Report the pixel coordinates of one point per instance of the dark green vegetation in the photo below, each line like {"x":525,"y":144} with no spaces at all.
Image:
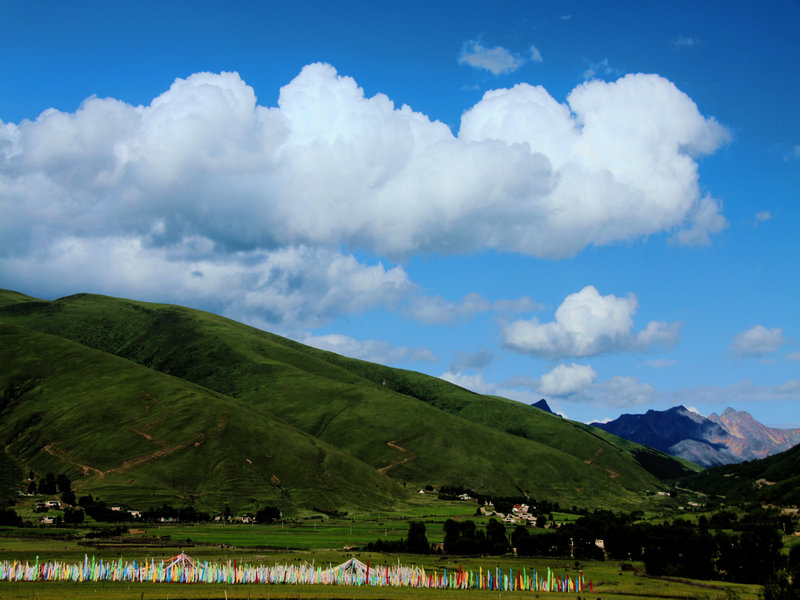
{"x":144,"y":404}
{"x":775,"y":479}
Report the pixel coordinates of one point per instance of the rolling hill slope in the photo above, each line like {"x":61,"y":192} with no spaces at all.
{"x":130,"y":433}
{"x":408,"y":426}
{"x":774,"y":479}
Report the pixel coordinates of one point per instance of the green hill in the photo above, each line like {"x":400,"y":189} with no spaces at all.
{"x":136,"y":435}
{"x":398,"y":425}
{"x":774,"y":479}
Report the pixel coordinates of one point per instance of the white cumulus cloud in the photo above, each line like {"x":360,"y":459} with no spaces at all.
{"x":618,"y":391}
{"x":566,"y":380}
{"x":578,"y":384}
{"x":587,"y":324}
{"x":473,"y":383}
{"x":757,"y":341}
{"x":204,"y":178}
{"x":282,"y":289}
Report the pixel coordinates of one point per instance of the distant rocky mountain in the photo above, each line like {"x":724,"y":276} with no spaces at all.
{"x":751,"y":439}
{"x":733,"y":437}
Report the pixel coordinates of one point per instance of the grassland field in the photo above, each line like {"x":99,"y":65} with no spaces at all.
{"x":321,"y":541}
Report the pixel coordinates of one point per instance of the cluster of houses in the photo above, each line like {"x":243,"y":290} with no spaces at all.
{"x":520,"y":515}
{"x":57,"y":505}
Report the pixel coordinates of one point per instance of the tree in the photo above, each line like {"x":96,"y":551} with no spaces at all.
{"x":63,"y":483}
{"x":702,"y":525}
{"x":9,"y":516}
{"x":48,"y":484}
{"x":268,"y":514}
{"x":68,"y":497}
{"x":73,"y":515}
{"x":520,"y":539}
{"x":496,"y":535}
{"x":417,"y":539}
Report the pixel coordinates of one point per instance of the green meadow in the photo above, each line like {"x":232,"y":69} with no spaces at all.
{"x":308,"y":541}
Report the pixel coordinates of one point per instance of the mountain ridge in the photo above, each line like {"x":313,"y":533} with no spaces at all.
{"x":735,"y":436}
{"x":409,"y":427}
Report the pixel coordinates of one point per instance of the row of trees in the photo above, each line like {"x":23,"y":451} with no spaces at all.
{"x":50,"y":485}
{"x":751,"y":554}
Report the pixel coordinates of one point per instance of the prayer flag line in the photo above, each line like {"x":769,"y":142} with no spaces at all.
{"x":183,"y":569}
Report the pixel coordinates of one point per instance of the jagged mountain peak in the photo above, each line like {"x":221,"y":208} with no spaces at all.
{"x":734,"y":436}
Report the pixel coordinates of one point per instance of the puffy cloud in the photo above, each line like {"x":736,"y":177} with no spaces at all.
{"x":474,"y":383}
{"x":206,"y":174}
{"x":578,"y":384}
{"x":536,"y":56}
{"x":566,"y":380}
{"x":498,"y":60}
{"x":286,"y":288}
{"x":757,"y":341}
{"x":587,"y":324}
{"x":329,"y":166}
{"x":618,"y":391}
{"x":706,"y":219}
{"x":622,"y":154}
{"x":371,"y":350}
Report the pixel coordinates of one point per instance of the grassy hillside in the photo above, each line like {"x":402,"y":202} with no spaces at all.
{"x":590,"y":444}
{"x":8,"y":297}
{"x":775,"y":479}
{"x":129,"y":433}
{"x":406,"y":425}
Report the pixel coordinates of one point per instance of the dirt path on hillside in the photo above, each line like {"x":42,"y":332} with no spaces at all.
{"x":87,"y":470}
{"x":403,"y":460}
{"x":133,"y":462}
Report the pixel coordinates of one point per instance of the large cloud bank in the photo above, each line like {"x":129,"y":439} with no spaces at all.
{"x":251,"y":206}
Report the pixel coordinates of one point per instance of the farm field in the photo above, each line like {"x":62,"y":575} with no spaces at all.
{"x":311,"y":541}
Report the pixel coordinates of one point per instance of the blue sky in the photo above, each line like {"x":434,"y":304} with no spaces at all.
{"x":592,"y":203}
